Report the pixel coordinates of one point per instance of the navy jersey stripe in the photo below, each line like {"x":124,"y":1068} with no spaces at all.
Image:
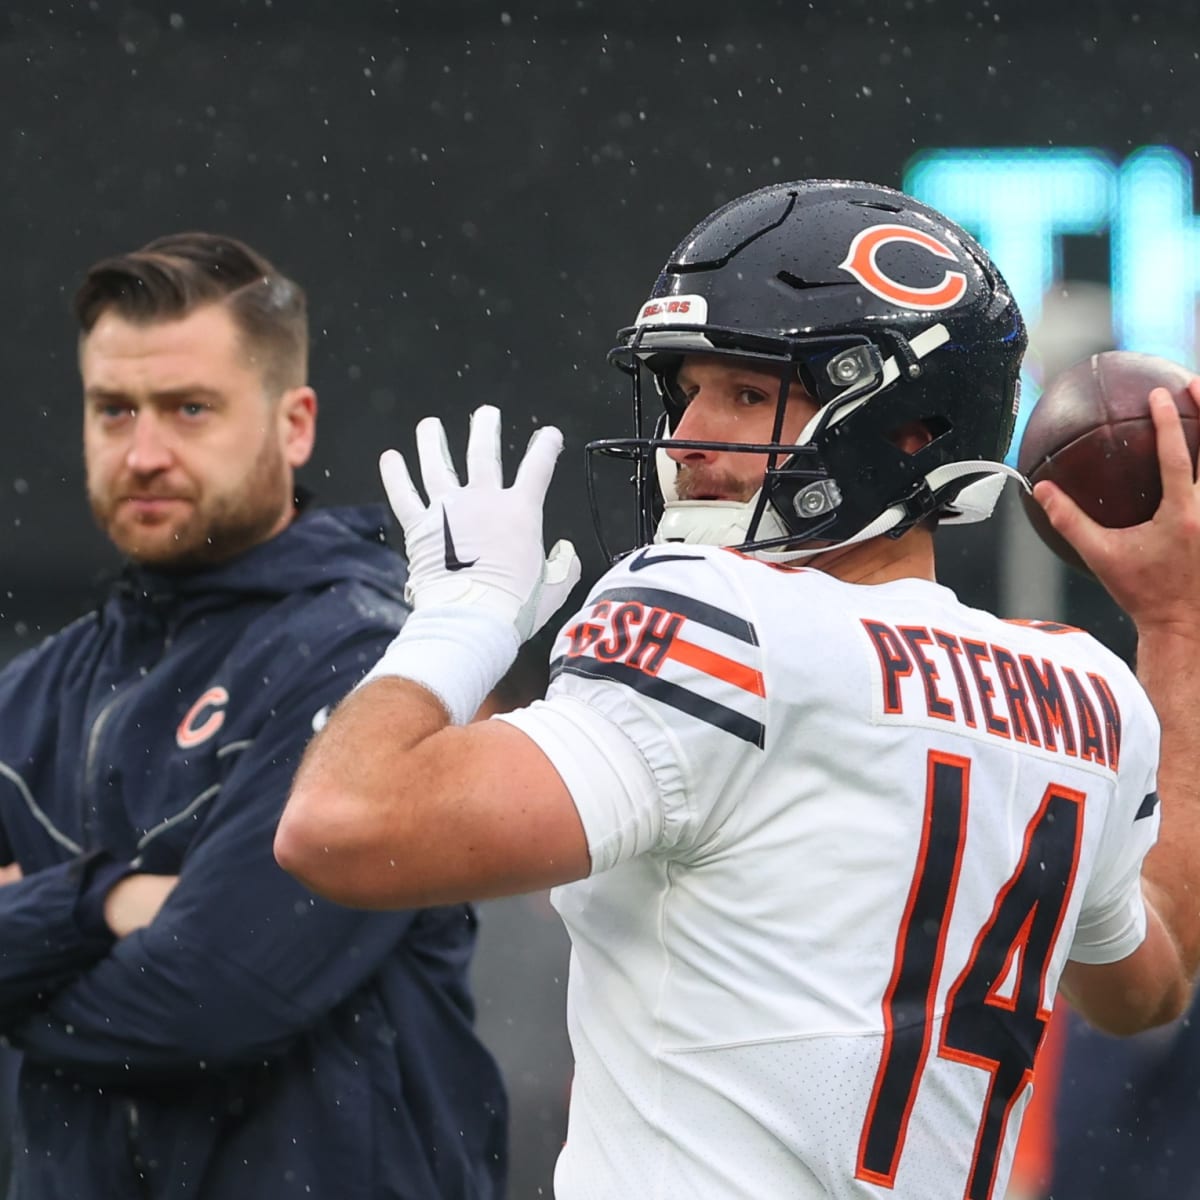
{"x":661,"y":690}
{"x":686,"y":606}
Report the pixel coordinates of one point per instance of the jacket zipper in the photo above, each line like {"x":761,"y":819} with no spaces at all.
{"x":132,"y":1137}
{"x":90,"y":777}
{"x":90,"y":772}
{"x":91,"y":781}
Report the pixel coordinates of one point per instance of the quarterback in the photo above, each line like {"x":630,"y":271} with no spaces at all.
{"x":826,"y":840}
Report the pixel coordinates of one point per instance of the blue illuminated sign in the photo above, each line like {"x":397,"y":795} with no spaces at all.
{"x":1021,"y":203}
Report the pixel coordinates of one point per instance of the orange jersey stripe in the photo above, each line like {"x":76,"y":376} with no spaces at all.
{"x":711,"y":663}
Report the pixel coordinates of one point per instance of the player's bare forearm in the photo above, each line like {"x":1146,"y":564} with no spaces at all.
{"x":1155,"y":984}
{"x":394,"y":808}
{"x":1167,"y":666}
{"x":1159,"y":586}
{"x":1116,"y":998}
{"x":400,"y":800}
{"x":1153,"y":572}
{"x":354,"y":784}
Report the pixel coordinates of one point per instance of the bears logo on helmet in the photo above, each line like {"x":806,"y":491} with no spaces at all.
{"x":861,"y":262}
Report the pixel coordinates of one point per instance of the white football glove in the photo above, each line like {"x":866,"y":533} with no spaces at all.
{"x":479,"y":544}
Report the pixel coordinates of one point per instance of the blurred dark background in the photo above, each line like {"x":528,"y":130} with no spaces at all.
{"x":476,"y":196}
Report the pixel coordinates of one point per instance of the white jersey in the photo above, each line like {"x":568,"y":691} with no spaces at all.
{"x":816,"y":957}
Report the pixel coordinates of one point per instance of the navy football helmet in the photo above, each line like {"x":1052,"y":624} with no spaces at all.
{"x":885,"y":312}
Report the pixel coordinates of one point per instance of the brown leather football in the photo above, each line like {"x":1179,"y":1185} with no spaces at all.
{"x":1091,"y":433}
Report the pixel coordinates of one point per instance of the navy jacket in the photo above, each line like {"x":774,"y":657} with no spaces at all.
{"x":254,"y":1042}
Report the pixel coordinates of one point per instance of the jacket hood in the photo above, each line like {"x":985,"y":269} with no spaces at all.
{"x":321,"y":546}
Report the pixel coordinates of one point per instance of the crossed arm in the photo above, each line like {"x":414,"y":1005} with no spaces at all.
{"x":131,"y":904}
{"x":226,"y":964}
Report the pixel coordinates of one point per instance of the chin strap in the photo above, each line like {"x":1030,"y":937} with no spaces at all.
{"x":975,"y":502}
{"x":726,"y":522}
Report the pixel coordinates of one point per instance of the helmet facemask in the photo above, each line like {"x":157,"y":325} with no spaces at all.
{"x":825,"y":490}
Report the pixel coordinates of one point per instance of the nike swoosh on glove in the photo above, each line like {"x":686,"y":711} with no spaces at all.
{"x":480,"y":544}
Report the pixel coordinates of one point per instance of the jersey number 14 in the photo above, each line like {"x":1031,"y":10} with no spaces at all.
{"x":996,"y":1031}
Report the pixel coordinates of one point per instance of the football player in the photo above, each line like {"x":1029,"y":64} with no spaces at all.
{"x":826,"y":840}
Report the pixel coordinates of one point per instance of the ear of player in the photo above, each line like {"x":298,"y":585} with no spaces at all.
{"x":480,"y":544}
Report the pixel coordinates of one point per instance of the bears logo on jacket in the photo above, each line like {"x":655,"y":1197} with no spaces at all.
{"x":192,"y":731}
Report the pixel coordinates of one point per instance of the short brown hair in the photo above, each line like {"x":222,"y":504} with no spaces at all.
{"x":172,"y":276}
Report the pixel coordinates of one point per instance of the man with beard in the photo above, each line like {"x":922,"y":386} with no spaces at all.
{"x":192,"y":1021}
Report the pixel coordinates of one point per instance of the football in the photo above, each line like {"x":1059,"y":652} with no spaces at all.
{"x":1091,"y":433}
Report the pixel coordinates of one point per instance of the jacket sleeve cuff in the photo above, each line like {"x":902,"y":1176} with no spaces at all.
{"x":100,"y":874}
